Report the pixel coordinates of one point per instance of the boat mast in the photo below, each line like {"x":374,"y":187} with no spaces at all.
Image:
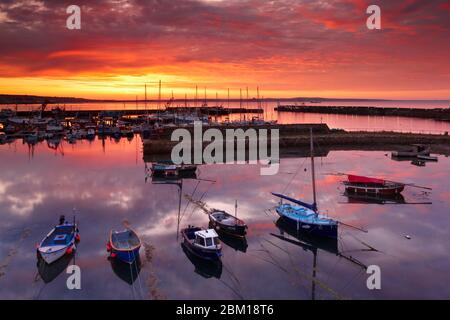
{"x":313,"y":172}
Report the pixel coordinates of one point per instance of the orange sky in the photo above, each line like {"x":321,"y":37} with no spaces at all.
{"x":288,"y":48}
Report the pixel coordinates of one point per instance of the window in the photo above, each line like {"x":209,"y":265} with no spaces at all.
{"x":216,"y":241}
{"x":209,"y":242}
{"x":200,"y":241}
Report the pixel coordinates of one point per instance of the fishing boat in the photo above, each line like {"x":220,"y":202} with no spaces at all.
{"x":202,"y":243}
{"x":414,"y":151}
{"x":366,"y":185}
{"x":163,"y":169}
{"x":61,"y":240}
{"x":305,"y":216}
{"x":224,"y":222}
{"x":124,"y":245}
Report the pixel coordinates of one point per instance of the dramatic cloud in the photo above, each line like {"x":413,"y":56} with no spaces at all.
{"x":288,"y":47}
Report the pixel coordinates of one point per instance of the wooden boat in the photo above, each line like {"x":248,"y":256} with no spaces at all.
{"x":366,"y":185}
{"x":305,"y":216}
{"x":61,"y":240}
{"x":124,"y":245}
{"x":414,"y":151}
{"x":202,"y":243}
{"x":227,"y":223}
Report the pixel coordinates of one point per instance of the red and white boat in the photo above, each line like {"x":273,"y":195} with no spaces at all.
{"x":366,"y":185}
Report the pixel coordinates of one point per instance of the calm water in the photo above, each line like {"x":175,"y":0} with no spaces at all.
{"x":107,"y":186}
{"x":346,"y":122}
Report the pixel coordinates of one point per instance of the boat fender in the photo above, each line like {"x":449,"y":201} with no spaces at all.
{"x":113,"y":255}
{"x":108,"y":246}
{"x":69,"y":250}
{"x":77,"y":238}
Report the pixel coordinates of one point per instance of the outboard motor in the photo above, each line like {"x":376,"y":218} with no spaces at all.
{"x":62,"y":219}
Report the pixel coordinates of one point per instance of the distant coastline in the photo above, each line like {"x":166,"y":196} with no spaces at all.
{"x":31,"y":99}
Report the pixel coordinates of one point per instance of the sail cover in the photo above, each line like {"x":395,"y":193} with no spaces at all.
{"x":361,"y":179}
{"x":303,"y":204}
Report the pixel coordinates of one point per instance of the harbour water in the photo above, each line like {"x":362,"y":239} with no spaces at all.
{"x":106,"y":183}
{"x":335,"y":121}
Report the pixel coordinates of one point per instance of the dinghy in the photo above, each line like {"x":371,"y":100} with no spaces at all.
{"x":224,"y":222}
{"x":60,"y":241}
{"x":124,"y":245}
{"x":366,"y":185}
{"x":204,"y":244}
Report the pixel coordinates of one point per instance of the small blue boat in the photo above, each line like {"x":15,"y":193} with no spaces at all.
{"x":124,"y":245}
{"x":304,"y":216}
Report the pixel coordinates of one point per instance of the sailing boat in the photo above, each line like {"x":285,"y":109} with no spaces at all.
{"x":305,"y":216}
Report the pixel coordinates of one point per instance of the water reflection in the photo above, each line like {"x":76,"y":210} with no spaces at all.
{"x":47,"y":272}
{"x":205,"y":268}
{"x":104,"y":180}
{"x":125,"y":271}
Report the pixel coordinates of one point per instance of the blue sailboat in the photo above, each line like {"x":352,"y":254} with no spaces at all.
{"x":304,"y":216}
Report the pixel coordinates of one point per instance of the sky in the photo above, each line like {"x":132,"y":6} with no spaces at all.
{"x":287,"y":48}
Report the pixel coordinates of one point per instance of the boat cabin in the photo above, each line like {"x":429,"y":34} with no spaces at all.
{"x":207,"y":238}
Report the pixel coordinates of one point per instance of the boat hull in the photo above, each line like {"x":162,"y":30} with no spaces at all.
{"x":239,"y":231}
{"x":128,"y":256}
{"x":51,"y":257}
{"x":200,"y":252}
{"x":329,"y":231}
{"x":381,"y":190}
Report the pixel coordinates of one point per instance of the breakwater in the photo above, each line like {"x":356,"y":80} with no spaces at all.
{"x":442,"y":114}
{"x":298,"y":136}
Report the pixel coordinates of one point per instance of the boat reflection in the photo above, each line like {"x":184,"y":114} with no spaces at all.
{"x":238,"y":244}
{"x":309,"y":242}
{"x":49,"y":272}
{"x":205,"y":268}
{"x":354,"y":198}
{"x":125,"y":271}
